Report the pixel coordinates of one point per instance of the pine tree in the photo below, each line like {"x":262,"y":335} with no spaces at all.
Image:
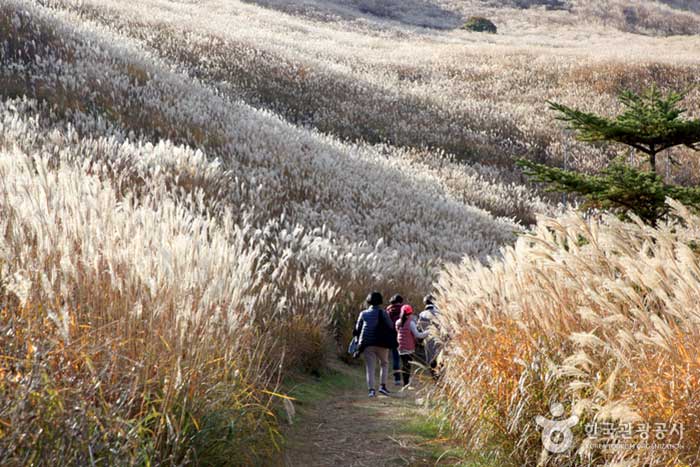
{"x":650,"y":123}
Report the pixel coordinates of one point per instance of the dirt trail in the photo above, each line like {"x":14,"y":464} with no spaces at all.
{"x":349,"y":429}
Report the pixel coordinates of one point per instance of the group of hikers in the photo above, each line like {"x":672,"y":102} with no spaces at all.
{"x":394,"y":332}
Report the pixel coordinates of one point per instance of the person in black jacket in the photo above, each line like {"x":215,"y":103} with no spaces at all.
{"x":376,"y":337}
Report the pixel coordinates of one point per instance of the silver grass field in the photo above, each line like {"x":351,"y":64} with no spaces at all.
{"x":195,"y":197}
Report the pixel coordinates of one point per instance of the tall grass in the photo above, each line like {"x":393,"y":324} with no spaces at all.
{"x":194,"y":200}
{"x":130,"y":324}
{"x":168,"y":253}
{"x":597,"y":314}
{"x":642,"y":17}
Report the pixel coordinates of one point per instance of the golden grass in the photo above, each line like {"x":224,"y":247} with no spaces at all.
{"x":169,"y":246}
{"x":598,"y":314}
{"x":137,"y":331}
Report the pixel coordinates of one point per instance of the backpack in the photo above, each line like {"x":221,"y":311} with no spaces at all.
{"x":385,"y":335}
{"x":424,"y":324}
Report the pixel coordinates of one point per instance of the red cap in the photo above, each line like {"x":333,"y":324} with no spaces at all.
{"x":407,"y":309}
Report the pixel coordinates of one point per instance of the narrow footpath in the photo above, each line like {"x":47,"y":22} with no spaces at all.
{"x":336,"y":424}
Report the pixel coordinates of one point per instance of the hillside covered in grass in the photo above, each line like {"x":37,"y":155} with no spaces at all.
{"x":648,"y":17}
{"x":196,"y":196}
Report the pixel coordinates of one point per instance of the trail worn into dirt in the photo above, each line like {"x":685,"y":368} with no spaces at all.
{"x":349,"y":429}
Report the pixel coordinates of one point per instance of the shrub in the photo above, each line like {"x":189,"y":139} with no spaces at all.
{"x":480,"y":24}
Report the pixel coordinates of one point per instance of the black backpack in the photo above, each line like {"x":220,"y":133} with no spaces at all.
{"x":385,"y":335}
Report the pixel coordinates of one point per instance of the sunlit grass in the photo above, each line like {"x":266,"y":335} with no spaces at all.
{"x":171,"y":250}
{"x":596,"y":314}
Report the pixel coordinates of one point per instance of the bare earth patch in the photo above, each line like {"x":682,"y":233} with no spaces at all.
{"x":349,"y":429}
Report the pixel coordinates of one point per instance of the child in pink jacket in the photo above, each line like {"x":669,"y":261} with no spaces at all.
{"x":408,"y":334}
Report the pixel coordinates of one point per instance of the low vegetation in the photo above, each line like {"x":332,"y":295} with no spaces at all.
{"x":480,"y":24}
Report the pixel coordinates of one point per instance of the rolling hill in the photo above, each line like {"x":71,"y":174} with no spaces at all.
{"x":194,"y":192}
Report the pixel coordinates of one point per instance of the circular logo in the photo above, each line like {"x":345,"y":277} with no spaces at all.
{"x":557,"y":436}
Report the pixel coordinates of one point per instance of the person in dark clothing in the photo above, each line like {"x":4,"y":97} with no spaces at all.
{"x":376,"y":336}
{"x":394,"y":311}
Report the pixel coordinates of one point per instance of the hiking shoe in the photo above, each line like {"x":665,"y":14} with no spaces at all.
{"x":384,"y":390}
{"x":372,"y":393}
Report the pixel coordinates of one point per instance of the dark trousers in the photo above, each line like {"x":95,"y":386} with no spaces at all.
{"x":433,"y":370}
{"x":396,"y":364}
{"x":406,"y":368}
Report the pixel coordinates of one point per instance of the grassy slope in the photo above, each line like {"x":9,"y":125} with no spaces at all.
{"x":417,"y":78}
{"x":132,"y":149}
{"x":477,"y":96}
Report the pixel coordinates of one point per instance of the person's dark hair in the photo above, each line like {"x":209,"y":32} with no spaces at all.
{"x":429,"y":300}
{"x":374,"y":299}
{"x":396,"y":299}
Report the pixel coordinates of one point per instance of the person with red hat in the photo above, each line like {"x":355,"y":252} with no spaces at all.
{"x":408,"y":334}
